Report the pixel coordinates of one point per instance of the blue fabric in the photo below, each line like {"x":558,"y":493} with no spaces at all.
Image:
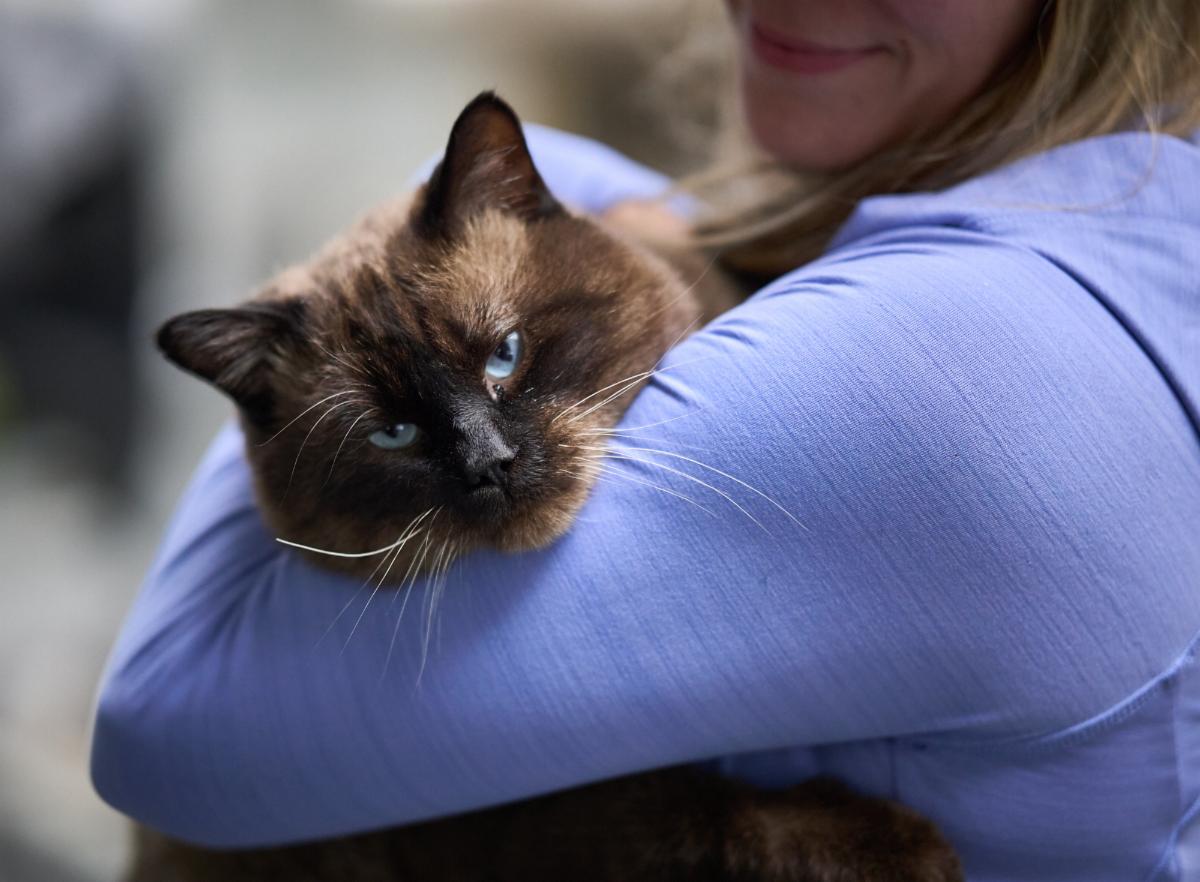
{"x":980,"y":406}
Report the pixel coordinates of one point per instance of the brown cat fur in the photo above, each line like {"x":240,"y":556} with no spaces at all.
{"x":393,"y":322}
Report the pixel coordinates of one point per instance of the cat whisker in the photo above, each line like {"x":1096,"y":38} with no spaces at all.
{"x":406,"y":588}
{"x":410,"y":531}
{"x":726,"y":475}
{"x":353,"y":598}
{"x":436,"y":584}
{"x":304,"y":444}
{"x":410,"y":574}
{"x":645,"y":426}
{"x":687,"y":291}
{"x":435,"y":564}
{"x":395,"y":631}
{"x":338,"y":452}
{"x":426,"y":597}
{"x":616,"y":473}
{"x":443,"y":580}
{"x":621,"y":435}
{"x":395,"y":556}
{"x":687,"y":329}
{"x":351,"y":367}
{"x":625,"y":388}
{"x":633,"y":379}
{"x":398,"y":543}
{"x":303,"y":412}
{"x":619,"y":454}
{"x":451,"y":560}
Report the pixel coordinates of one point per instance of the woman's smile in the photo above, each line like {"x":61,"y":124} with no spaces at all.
{"x":803,"y":56}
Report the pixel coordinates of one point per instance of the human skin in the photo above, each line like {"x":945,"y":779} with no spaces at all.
{"x":825,"y":85}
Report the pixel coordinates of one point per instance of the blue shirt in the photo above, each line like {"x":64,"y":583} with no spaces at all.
{"x":981,"y":408}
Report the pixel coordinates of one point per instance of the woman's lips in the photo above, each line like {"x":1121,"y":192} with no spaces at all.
{"x":801,"y":56}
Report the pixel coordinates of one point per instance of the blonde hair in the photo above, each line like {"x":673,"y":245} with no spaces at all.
{"x":1091,"y":67}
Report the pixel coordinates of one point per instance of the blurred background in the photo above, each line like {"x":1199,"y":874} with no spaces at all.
{"x":159,"y":155}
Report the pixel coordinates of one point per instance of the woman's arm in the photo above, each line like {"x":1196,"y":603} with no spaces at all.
{"x":906,"y":512}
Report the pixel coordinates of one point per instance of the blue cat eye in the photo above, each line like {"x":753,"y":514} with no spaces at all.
{"x":395,"y":437}
{"x":503,"y":361}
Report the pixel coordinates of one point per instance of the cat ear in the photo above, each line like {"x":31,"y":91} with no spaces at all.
{"x":487,"y":165}
{"x":237,"y":350}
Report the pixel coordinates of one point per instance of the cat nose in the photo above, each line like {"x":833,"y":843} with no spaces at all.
{"x":488,"y":468}
{"x":482,"y":453}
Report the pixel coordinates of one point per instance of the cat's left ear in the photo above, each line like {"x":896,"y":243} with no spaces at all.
{"x":487,"y":165}
{"x":239,"y":351}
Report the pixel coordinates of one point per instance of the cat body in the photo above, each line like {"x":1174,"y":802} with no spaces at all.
{"x":440,"y":379}
{"x":674,"y":825}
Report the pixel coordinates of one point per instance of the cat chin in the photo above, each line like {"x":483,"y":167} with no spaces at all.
{"x":513,"y":529}
{"x":540,"y":525}
{"x":529,"y":526}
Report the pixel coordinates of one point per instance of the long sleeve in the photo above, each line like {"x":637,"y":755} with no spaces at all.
{"x":925,"y":487}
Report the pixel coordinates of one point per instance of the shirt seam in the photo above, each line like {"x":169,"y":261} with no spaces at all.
{"x":1078,"y":733}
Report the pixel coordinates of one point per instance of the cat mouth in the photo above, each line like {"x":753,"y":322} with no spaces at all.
{"x":487,"y":503}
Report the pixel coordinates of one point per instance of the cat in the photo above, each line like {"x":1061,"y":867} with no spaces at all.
{"x":432,"y":380}
{"x":439,"y":348}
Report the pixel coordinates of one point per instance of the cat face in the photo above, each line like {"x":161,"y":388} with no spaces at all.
{"x":445,"y":369}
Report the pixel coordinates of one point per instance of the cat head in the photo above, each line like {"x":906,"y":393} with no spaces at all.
{"x":446,"y":367}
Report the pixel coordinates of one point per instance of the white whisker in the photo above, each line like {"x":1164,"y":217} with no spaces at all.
{"x":426,"y":598}
{"x":621,"y":455}
{"x":633,"y":378}
{"x":304,"y":443}
{"x":620,"y":435}
{"x":687,"y":329}
{"x":338,"y":452}
{"x":353,"y":598}
{"x":621,"y":391}
{"x":341,"y":361}
{"x":378,"y":585}
{"x":686,"y":291}
{"x":647,"y":425}
{"x":717,"y":471}
{"x":617,"y":473}
{"x":406,"y":587}
{"x":303,"y":412}
{"x":409,"y":532}
{"x":410,"y":574}
{"x":451,"y":560}
{"x":628,"y":382}
{"x":436,"y":585}
{"x":386,"y":548}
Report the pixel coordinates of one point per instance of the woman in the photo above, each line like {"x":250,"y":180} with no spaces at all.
{"x":982,"y":402}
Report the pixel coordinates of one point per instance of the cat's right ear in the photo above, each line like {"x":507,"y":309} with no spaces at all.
{"x":237,"y":350}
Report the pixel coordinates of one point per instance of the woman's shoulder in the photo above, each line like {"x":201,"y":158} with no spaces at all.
{"x":1092,"y":182}
{"x":1111,"y":223}
{"x":980,"y":393}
